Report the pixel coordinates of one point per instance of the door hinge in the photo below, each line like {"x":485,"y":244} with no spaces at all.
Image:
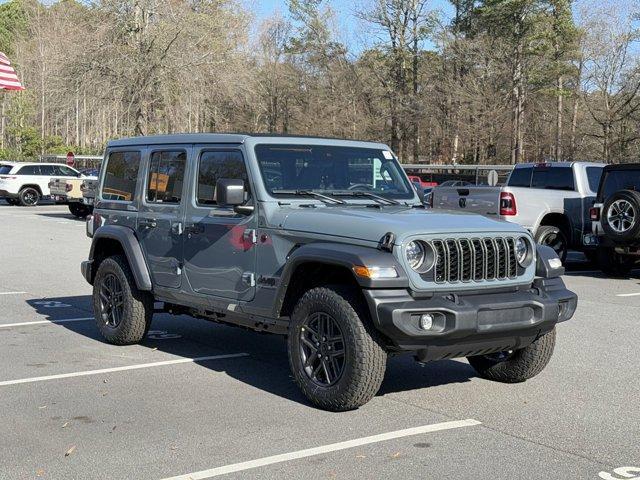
{"x":250,"y":235}
{"x":249,"y":278}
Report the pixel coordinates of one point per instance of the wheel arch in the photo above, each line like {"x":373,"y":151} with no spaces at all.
{"x":31,"y":185}
{"x":559,"y":220}
{"x":112,"y":240}
{"x":317,"y":264}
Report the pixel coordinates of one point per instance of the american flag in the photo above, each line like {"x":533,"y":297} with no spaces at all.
{"x":8,"y":78}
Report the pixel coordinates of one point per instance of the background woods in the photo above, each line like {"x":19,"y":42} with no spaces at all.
{"x":487,"y":81}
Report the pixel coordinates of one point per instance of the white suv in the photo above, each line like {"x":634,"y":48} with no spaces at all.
{"x":26,"y":183}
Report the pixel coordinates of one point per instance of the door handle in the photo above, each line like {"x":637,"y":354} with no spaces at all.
{"x":148,"y":223}
{"x":194,"y":228}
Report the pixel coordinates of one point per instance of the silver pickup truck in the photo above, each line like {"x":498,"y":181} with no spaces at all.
{"x":551,"y":200}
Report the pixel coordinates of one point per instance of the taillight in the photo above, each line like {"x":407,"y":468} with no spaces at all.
{"x":594,"y":213}
{"x":508,"y":204}
{"x":68,"y":187}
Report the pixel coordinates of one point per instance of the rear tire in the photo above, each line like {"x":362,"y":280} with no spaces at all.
{"x":339,"y":382}
{"x":29,"y":197}
{"x":518,"y":365}
{"x":122,"y":312}
{"x":613,"y":264}
{"x":555,"y":238}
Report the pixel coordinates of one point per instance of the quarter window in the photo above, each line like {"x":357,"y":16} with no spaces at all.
{"x":593,"y":177}
{"x":120,"y":176}
{"x":215,"y":165}
{"x":166,"y":177}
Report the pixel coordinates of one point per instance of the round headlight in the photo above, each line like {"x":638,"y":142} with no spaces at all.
{"x":414,"y":252}
{"x":523,"y":252}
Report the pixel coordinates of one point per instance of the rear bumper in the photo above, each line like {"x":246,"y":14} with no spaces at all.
{"x":465,"y":325}
{"x":85,"y":268}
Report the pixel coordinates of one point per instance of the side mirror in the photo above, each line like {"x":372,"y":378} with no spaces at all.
{"x":229,"y":192}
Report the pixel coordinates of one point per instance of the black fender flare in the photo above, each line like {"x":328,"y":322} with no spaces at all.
{"x":129,"y":242}
{"x":342,"y":255}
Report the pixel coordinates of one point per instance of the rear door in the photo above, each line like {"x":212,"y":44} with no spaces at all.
{"x":219,"y":244}
{"x":160,"y":218}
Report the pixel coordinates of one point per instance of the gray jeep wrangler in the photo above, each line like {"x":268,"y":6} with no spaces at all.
{"x":324,"y":241}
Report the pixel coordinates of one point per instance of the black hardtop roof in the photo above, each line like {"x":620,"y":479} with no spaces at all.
{"x":622,"y":166}
{"x":230,"y":138}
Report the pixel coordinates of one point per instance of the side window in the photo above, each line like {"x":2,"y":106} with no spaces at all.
{"x":553,"y":178}
{"x":215,"y":165}
{"x":593,"y":177}
{"x":66,"y":171}
{"x":48,"y":170}
{"x":29,"y":170}
{"x":120,"y":176}
{"x":166,"y":176}
{"x":520,"y":177}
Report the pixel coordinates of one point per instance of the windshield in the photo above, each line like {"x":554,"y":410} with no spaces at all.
{"x":331,"y":169}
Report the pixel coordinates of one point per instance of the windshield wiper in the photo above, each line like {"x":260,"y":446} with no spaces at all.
{"x":309,"y":193}
{"x":389,"y":201}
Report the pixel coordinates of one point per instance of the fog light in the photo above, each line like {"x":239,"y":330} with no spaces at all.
{"x":426,"y":321}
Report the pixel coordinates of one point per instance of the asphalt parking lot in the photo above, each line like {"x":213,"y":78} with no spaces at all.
{"x":198,"y":400}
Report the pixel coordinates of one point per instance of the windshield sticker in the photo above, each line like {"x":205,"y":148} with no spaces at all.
{"x":387,"y":154}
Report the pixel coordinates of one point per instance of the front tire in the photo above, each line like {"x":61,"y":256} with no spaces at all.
{"x":555,"y":238}
{"x":122,"y":312}
{"x":335,"y":355}
{"x":29,"y":197}
{"x":517,"y":365}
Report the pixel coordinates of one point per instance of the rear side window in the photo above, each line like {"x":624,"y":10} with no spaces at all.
{"x":215,"y":165}
{"x":66,"y":171}
{"x":166,"y":177}
{"x":620,"y":180}
{"x":4,"y":169}
{"x":593,"y":177}
{"x":48,"y":170}
{"x":29,"y":170}
{"x":520,"y":177}
{"x":553,"y":178}
{"x":120,"y":176}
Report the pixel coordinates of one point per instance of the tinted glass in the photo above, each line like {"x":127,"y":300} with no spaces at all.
{"x":553,"y":178}
{"x":593,"y":177}
{"x":90,"y":172}
{"x":120,"y":176}
{"x":325,"y":168}
{"x":67,"y":171}
{"x":48,"y":170}
{"x":166,"y":176}
{"x":520,"y":177}
{"x":29,"y":170}
{"x":4,"y":169}
{"x":215,"y":165}
{"x":620,"y":180}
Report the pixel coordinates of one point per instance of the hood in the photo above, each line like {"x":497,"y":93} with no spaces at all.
{"x":371,"y":224}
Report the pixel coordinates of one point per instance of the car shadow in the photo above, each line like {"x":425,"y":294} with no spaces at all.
{"x":268,"y":367}
{"x":60,"y":216}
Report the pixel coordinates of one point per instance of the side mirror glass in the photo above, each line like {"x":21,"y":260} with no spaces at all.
{"x":229,"y":192}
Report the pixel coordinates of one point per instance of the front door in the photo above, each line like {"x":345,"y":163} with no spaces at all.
{"x":160,"y":218}
{"x":219,"y":248}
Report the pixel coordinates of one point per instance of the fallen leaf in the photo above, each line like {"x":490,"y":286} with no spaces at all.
{"x":70,"y":451}
{"x":42,"y":407}
{"x":66,"y":424}
{"x":154,"y":348}
{"x":39,"y":472}
{"x":361,"y":456}
{"x":104,"y":381}
{"x":395,"y":455}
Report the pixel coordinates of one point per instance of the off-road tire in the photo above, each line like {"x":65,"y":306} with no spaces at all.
{"x":29,"y":197}
{"x":522,"y":365}
{"x":632,"y":234}
{"x":138,"y":305}
{"x":547,"y":231}
{"x":78,"y":210}
{"x":365,"y":357}
{"x":613,"y":264}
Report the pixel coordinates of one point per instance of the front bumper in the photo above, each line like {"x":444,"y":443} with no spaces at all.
{"x":470,"y":324}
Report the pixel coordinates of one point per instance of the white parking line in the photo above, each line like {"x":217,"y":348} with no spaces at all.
{"x":333,"y":447}
{"x":628,"y":294}
{"x":12,"y":293}
{"x":41,"y":322}
{"x":120,"y":369}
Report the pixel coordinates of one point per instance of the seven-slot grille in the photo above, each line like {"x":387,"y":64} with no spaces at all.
{"x":477,"y":259}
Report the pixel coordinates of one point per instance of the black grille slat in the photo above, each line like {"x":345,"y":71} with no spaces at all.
{"x":478,"y":259}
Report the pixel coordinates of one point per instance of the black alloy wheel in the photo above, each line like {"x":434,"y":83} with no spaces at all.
{"x":111,"y":301}
{"x":555,"y":238}
{"x":322,"y":349}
